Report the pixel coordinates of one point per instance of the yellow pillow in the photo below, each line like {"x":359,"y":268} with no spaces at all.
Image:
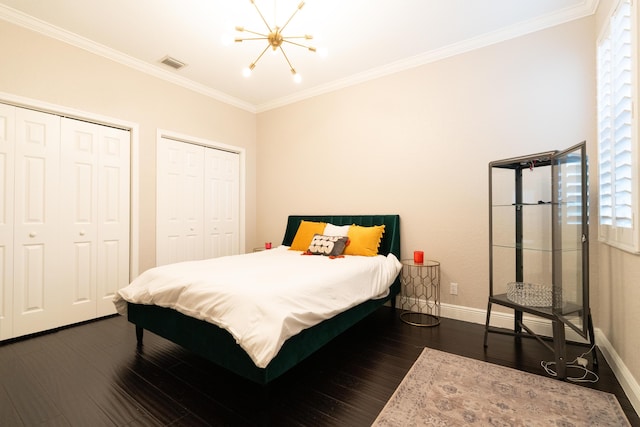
{"x":364,"y":240}
{"x":305,"y":233}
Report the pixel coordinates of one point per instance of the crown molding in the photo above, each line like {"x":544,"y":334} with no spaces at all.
{"x":587,"y":8}
{"x":16,"y":17}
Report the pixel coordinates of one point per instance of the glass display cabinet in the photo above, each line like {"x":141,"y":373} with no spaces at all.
{"x":539,"y":245}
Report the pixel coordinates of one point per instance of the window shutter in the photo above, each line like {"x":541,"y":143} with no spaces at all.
{"x":622,"y":104}
{"x":616,"y":145}
{"x":604,"y":132}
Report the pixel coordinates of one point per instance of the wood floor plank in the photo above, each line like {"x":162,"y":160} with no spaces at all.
{"x":94,"y":374}
{"x":30,"y":400}
{"x":8,"y":413}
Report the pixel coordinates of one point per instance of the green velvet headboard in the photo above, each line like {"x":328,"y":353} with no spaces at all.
{"x":390,"y":239}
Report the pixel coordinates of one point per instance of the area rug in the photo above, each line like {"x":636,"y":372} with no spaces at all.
{"x":443,"y":389}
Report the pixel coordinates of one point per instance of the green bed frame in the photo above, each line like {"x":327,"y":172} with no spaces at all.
{"x":219,"y":346}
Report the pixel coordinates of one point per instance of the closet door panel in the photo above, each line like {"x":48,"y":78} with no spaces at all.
{"x":79,"y":179}
{"x":192,"y":201}
{"x":169,"y":239}
{"x":7,"y":148}
{"x":179,"y":212}
{"x":37,"y":285}
{"x":113,"y":216}
{"x":96,"y":176}
{"x":222,"y":203}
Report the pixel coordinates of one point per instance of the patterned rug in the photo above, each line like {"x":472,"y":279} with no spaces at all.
{"x":443,"y":389}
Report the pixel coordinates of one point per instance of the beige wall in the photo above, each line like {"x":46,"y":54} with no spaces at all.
{"x":46,"y":70}
{"x":418,"y":143}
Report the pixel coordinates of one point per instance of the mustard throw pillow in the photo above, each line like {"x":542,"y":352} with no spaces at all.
{"x":364,"y":240}
{"x":306,"y":231}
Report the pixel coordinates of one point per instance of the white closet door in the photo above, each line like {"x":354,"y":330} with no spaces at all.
{"x":179,"y":213}
{"x":7,"y":147}
{"x":222,"y":203}
{"x":114,"y":176}
{"x":79,"y":206}
{"x":95,"y":214}
{"x":37,"y":259}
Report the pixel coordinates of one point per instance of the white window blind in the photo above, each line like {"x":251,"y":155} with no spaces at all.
{"x":572,"y":189}
{"x":617,"y":143}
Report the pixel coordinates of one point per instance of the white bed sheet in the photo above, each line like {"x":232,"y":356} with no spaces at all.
{"x":263,"y":298}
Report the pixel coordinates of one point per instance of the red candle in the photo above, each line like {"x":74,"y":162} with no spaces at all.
{"x":418,"y":257}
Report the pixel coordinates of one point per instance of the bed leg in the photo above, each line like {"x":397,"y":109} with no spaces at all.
{"x":139,"y":334}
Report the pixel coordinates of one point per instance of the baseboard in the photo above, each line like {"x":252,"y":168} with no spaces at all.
{"x":504,"y":320}
{"x":625,"y":378}
{"x":543,"y":327}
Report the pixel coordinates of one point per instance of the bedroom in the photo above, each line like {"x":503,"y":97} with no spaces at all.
{"x":415,"y":143}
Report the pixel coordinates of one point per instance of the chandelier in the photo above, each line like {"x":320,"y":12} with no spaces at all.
{"x":275,"y":40}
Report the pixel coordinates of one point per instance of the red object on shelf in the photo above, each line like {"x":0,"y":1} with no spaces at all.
{"x":418,"y":257}
{"x":267,"y":245}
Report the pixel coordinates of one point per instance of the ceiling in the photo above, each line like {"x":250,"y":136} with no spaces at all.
{"x":364,"y":38}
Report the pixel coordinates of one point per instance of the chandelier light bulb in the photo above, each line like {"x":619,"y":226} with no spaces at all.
{"x":246,"y":72}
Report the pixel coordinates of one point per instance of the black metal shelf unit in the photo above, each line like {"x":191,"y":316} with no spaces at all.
{"x":538,"y":245}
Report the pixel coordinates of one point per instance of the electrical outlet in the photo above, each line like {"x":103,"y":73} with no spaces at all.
{"x":453,"y":288}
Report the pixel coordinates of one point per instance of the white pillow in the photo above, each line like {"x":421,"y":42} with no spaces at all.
{"x":336,"y":230}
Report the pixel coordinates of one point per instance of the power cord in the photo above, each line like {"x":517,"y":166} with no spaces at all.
{"x":579,"y":363}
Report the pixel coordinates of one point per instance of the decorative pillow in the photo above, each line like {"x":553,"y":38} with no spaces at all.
{"x":364,"y":240}
{"x":327,"y":245}
{"x":336,"y":230}
{"x":306,"y":231}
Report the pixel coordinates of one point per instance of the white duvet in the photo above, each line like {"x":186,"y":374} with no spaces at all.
{"x":263,"y":298}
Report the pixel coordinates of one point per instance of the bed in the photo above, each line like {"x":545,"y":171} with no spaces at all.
{"x":218,"y":345}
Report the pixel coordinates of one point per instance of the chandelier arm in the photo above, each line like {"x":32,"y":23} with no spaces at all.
{"x":255,"y":32}
{"x":311,"y":48}
{"x":260,"y":56}
{"x":251,"y":38}
{"x":287,"y":59}
{"x":260,"y":13}
{"x":292,"y":15}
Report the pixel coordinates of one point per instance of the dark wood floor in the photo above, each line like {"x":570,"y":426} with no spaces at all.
{"x":92,"y":375}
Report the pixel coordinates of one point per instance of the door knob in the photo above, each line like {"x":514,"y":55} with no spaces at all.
{"x":33,"y":234}
{"x":82,"y":232}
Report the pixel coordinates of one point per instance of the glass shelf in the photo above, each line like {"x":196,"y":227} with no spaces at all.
{"x":516,"y":205}
{"x":527,"y":248}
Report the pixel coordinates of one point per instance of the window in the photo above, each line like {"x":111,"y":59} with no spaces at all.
{"x":617,"y":130}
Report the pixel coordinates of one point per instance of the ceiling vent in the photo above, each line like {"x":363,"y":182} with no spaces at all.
{"x":172,"y":62}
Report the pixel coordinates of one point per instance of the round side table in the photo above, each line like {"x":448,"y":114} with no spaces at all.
{"x":420,"y":293}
